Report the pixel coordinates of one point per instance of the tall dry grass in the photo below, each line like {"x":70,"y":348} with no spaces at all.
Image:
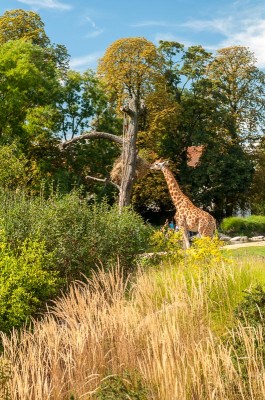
{"x":108,"y":326}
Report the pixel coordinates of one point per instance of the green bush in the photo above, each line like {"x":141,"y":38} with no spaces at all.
{"x":252,"y":310}
{"x":12,"y":167}
{"x":126,"y":386}
{"x":251,"y":315}
{"x":27,"y":280}
{"x":252,"y":225}
{"x":82,"y":236}
{"x":75,"y":238}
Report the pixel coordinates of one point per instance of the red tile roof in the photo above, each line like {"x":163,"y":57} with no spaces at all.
{"x":194,"y":154}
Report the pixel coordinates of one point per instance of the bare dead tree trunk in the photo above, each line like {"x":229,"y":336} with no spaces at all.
{"x":133,"y":110}
{"x":129,"y":151}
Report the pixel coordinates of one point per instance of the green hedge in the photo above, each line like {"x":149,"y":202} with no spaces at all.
{"x":250,"y":226}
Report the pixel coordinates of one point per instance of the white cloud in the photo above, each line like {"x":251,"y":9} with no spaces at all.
{"x":169,"y":37}
{"x":96,"y":30}
{"x":84,"y":62}
{"x":236,"y":30}
{"x":47,"y":4}
{"x":95,"y":33}
{"x":222,"y":26}
{"x":252,"y":35}
{"x":92,"y":23}
{"x":241,"y":24}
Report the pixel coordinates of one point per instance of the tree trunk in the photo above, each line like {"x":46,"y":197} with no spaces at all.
{"x":132,"y":110}
{"x":129,"y":153}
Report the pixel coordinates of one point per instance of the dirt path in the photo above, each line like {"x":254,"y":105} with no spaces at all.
{"x":247,"y":244}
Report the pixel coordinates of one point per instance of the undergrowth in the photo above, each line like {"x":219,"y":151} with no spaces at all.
{"x":158,"y":335}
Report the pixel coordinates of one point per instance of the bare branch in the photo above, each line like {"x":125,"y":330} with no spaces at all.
{"x":92,"y":135}
{"x":106,"y":180}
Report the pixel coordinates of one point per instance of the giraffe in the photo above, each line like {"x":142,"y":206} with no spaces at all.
{"x":188,"y":217}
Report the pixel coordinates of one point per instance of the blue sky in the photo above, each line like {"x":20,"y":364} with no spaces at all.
{"x":88,"y":27}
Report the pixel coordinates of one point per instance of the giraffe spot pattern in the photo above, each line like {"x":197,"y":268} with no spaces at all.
{"x":188,"y":216}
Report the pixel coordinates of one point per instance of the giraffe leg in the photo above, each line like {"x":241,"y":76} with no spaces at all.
{"x":182,"y":227}
{"x":186,"y":242}
{"x":186,"y":239}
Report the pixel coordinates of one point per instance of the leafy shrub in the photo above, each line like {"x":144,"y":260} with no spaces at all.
{"x":165,"y":244}
{"x":251,"y":316}
{"x":26,"y":281}
{"x":12,"y":167}
{"x":125,"y":386}
{"x":166,"y":240}
{"x":81,"y":235}
{"x":252,"y":225}
{"x":205,"y":253}
{"x":252,"y":309}
{"x":200,"y":263}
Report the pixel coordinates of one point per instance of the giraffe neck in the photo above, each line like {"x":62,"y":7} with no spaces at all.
{"x":173,"y":186}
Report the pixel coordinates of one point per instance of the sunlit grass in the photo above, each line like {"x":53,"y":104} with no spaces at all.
{"x":258,"y":251}
{"x":164,"y":326}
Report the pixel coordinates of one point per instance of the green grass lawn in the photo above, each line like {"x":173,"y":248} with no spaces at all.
{"x":258,"y":251}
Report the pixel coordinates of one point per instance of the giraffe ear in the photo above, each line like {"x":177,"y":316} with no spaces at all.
{"x":166,"y":163}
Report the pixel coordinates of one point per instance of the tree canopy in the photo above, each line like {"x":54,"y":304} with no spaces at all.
{"x":208,"y":101}
{"x":147,"y":101}
{"x":27,"y":80}
{"x":130,"y":67}
{"x":21,"y":24}
{"x":238,"y":87}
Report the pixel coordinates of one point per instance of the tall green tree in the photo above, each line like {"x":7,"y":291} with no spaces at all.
{"x":42,"y":101}
{"x":29,"y":91}
{"x":236,"y":90}
{"x":178,"y":113}
{"x":216,"y":102}
{"x":83,"y":103}
{"x":21,"y":24}
{"x":27,"y":25}
{"x":238,"y":87}
{"x":27,"y":80}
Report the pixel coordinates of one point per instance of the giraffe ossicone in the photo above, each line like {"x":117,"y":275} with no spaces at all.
{"x":188,"y":217}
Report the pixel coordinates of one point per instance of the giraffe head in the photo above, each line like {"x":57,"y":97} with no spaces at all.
{"x":159,"y":164}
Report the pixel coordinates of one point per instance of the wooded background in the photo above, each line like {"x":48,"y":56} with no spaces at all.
{"x":64,"y":129}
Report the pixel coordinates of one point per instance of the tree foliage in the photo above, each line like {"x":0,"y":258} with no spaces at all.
{"x":130,"y":67}
{"x":192,"y":98}
{"x":21,"y":24}
{"x":13,"y":167}
{"x":210,"y":101}
{"x":28,"y":26}
{"x":238,"y":87}
{"x":27,"y":280}
{"x":27,"y":80}
{"x":83,"y":103}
